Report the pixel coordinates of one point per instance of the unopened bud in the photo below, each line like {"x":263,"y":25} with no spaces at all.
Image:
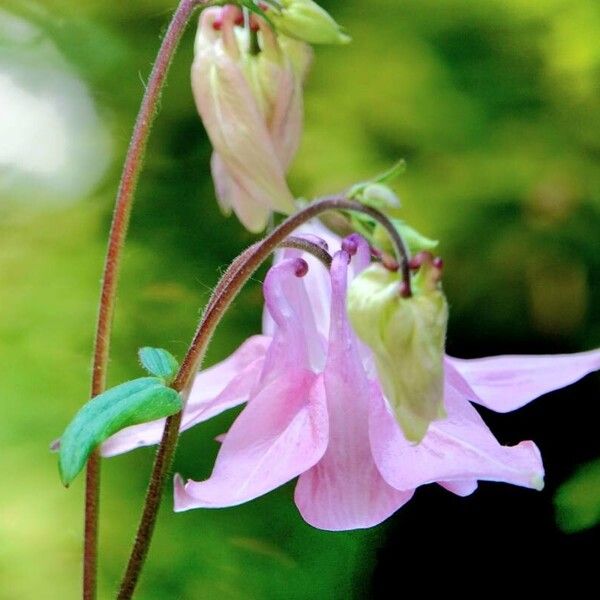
{"x":251,"y":106}
{"x":305,"y":20}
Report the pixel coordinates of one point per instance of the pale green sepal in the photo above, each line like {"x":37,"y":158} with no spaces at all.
{"x":392,"y":173}
{"x":407,"y":338}
{"x":380,"y":238}
{"x":131,"y":403}
{"x":159,"y":362}
{"x":377,"y":195}
{"x":415,"y":241}
{"x":383,"y":179}
{"x":305,"y":20}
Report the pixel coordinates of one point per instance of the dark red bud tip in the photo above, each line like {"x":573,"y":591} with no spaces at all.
{"x":418,"y":260}
{"x":253,"y":23}
{"x":391,"y":264}
{"x":438,"y":263}
{"x":350,"y":244}
{"x":404,"y":290}
{"x":300,"y":267}
{"x":375,"y":253}
{"x":218,"y":23}
{"x":239,"y":20}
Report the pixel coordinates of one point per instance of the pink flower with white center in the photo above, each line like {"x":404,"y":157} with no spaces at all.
{"x":251,"y":106}
{"x":315,"y":410}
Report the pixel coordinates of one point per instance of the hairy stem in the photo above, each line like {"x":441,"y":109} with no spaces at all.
{"x":118,"y":232}
{"x":236,"y":276}
{"x":317,"y":250}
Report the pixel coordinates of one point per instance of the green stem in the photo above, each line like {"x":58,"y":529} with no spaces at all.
{"x":121,"y":216}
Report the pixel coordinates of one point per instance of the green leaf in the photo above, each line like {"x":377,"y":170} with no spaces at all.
{"x":131,"y":403}
{"x":159,"y":362}
{"x":577,"y":501}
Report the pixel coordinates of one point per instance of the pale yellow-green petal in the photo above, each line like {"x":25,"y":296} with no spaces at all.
{"x":407,"y":337}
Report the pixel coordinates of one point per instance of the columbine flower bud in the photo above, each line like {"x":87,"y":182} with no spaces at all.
{"x":305,"y":20}
{"x":251,"y":107}
{"x":406,"y":336}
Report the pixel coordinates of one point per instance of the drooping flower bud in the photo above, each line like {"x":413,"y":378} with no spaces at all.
{"x":251,"y":106}
{"x":407,"y":337}
{"x":305,"y":20}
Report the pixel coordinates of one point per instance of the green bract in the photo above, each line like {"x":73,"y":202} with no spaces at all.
{"x":407,"y":337}
{"x":379,"y":195}
{"x":415,"y":241}
{"x":130,"y":403}
{"x":305,"y":20}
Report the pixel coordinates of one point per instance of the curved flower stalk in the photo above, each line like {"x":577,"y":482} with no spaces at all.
{"x":251,"y":106}
{"x":315,"y":410}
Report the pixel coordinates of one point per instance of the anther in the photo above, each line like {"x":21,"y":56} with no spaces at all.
{"x":417,"y":261}
{"x":390,"y":263}
{"x":254,"y":26}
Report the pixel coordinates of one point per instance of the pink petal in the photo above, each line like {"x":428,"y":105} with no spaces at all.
{"x":222,"y":182}
{"x":296,"y":342}
{"x":344,"y":490}
{"x":281,"y":433}
{"x":505,"y":383}
{"x":460,"y":488}
{"x":225,"y":385}
{"x":456,"y":451}
{"x":253,"y":216}
{"x":286,"y":122}
{"x":316,"y":283}
{"x":285,"y":87}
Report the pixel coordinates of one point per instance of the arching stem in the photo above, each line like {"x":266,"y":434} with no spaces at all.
{"x":125,"y":196}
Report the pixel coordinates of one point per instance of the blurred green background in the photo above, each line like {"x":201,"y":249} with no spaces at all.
{"x":494,"y":104}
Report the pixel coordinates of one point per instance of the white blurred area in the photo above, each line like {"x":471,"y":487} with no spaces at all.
{"x":53,"y":144}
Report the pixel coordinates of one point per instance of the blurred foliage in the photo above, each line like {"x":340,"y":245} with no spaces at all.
{"x":578,"y":499}
{"x":493,"y":104}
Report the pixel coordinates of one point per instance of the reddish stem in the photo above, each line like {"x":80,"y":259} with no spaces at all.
{"x":125,"y":196}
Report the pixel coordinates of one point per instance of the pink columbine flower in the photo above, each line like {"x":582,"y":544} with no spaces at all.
{"x":315,"y":411}
{"x":251,"y":106}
